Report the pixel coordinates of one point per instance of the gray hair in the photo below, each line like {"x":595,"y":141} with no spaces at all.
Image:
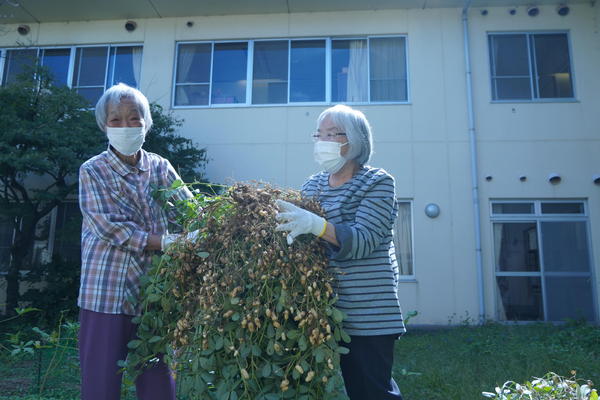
{"x":114,"y":95}
{"x":357,"y":129}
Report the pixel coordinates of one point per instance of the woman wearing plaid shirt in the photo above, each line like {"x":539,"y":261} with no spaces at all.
{"x":122,"y":228}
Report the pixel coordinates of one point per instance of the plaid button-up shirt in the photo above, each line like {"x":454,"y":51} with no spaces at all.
{"x":119,"y":213}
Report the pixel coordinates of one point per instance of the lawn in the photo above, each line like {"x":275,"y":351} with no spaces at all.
{"x":453,"y":363}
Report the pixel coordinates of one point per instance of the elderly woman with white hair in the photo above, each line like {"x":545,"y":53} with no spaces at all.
{"x":360,"y":206}
{"x":123,"y":226}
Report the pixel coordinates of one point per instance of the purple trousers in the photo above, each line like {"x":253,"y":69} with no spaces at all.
{"x":103,"y":341}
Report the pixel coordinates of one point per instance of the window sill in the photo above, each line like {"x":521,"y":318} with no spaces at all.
{"x":536,"y":101}
{"x":239,"y":105}
{"x":408,"y":280}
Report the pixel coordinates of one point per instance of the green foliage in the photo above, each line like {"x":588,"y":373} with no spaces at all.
{"x":46,"y":132}
{"x":162,"y":139}
{"x":33,"y":343}
{"x":55,"y":287}
{"x":549,"y":387}
{"x":239,"y":313}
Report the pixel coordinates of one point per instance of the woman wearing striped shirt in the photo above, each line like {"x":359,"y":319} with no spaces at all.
{"x":360,"y":206}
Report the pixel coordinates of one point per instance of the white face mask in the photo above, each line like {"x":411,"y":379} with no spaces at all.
{"x":328,"y":155}
{"x":127,"y":141}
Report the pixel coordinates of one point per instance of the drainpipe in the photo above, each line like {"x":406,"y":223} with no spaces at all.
{"x":474,"y":171}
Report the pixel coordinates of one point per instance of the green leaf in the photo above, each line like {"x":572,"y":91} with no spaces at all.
{"x":293,"y":334}
{"x":153,"y":298}
{"x":218,"y":343}
{"x":266,"y":370}
{"x":177,"y":183}
{"x":319,"y":355}
{"x":342,"y":350}
{"x":202,"y":254}
{"x":344,"y":336}
{"x":134,"y":344}
{"x":302,"y":344}
{"x":337,"y":315}
{"x":154,"y":339}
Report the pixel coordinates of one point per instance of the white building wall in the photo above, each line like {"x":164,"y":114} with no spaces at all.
{"x":424,"y":144}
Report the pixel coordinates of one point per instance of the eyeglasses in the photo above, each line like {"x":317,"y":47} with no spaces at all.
{"x":327,"y":137}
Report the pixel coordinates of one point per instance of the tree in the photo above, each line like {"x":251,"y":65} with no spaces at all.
{"x":46,"y":133}
{"x":162,"y":139}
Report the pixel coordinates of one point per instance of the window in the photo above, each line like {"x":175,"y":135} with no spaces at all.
{"x":98,"y":68}
{"x":291,"y":71}
{"x":67,"y":232}
{"x":58,"y":233}
{"x":530,"y":66}
{"x":6,"y":240}
{"x":403,"y":242}
{"x":270,"y":79}
{"x":94,"y":69}
{"x":17,"y":62}
{"x":542,"y":258}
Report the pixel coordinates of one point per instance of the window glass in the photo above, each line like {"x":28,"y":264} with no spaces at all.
{"x":565,"y":246}
{"x":569,"y":298}
{"x":18,"y":62}
{"x":553,"y":65}
{"x":229,"y":73}
{"x":349,"y":71}
{"x":403,"y":238}
{"x":192,"y":81}
{"x":89,"y":76}
{"x":125,"y":65}
{"x":387,"y":67}
{"x":270,"y":69}
{"x":510,"y":67}
{"x":307,"y":71}
{"x":67,"y":243}
{"x":516,"y":246}
{"x":512,"y":208}
{"x":520,"y":298}
{"x":6,"y":237}
{"x":57,"y":62}
{"x":510,"y":55}
{"x":562,"y":208}
{"x":526,"y":66}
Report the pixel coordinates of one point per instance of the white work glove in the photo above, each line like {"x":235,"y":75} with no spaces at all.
{"x":298,"y":221}
{"x":169,"y":238}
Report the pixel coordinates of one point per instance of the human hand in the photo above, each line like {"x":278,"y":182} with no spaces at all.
{"x":169,"y":238}
{"x":298,"y":221}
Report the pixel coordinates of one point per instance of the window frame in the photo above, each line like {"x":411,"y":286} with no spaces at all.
{"x":537,"y":218}
{"x":72,"y":56}
{"x":412,"y":277}
{"x":289,"y":40}
{"x":532,"y":68}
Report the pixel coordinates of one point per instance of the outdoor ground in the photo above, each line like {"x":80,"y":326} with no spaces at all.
{"x":454,"y":363}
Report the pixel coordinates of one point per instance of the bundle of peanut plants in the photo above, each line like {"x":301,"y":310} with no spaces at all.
{"x":238,"y":313}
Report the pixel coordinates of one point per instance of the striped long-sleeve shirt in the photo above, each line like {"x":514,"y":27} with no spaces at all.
{"x":119,"y":213}
{"x":363,"y":211}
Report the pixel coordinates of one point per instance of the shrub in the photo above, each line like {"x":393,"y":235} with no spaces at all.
{"x":239,"y":313}
{"x":550,"y":387}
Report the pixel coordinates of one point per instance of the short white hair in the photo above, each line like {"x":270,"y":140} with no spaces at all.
{"x":114,"y":95}
{"x":357,"y":129}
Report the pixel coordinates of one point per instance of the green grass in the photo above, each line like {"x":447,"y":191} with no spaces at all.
{"x":454,"y":363}
{"x":462,"y":362}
